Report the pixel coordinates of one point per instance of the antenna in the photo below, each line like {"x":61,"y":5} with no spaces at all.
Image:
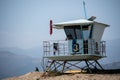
{"x":84,"y":9}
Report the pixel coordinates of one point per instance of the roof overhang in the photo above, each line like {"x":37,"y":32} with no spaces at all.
{"x":75,"y":22}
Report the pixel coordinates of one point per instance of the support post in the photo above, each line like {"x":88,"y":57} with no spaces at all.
{"x":48,"y":67}
{"x":99,"y":64}
{"x":74,"y":65}
{"x":64,"y":66}
{"x":88,"y":66}
{"x":55,"y":67}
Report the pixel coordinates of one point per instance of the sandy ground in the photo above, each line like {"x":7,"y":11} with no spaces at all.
{"x":37,"y":76}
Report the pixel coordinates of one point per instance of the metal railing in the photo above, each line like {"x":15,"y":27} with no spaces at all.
{"x":60,"y":48}
{"x":49,"y":50}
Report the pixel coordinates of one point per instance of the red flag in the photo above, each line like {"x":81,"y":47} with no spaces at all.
{"x":50,"y":27}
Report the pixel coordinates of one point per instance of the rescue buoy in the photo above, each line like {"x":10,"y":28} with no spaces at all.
{"x":50,"y":27}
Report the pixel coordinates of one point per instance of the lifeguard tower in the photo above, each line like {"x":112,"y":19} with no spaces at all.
{"x":82,"y":44}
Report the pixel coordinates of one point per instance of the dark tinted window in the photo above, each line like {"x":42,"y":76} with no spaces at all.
{"x":77,"y":32}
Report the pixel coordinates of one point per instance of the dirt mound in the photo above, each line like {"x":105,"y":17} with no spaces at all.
{"x":37,"y":76}
{"x":28,"y":76}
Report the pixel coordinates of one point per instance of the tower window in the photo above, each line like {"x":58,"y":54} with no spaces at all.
{"x":77,"y":31}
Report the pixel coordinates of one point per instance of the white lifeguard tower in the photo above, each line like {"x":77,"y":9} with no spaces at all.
{"x":83,"y":44}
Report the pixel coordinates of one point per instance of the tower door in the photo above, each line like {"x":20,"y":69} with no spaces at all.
{"x":85,"y":46}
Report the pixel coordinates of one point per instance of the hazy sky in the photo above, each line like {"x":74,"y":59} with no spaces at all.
{"x":25,"y":23}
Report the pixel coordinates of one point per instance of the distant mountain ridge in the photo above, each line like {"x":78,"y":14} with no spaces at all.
{"x":33,"y":52}
{"x":114,"y":65}
{"x":14,"y":65}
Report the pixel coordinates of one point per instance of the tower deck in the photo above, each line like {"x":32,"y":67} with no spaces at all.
{"x":75,"y":57}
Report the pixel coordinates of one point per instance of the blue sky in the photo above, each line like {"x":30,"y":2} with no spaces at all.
{"x":25,"y":23}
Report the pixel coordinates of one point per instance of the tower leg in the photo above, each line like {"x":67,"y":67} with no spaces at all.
{"x":99,"y":64}
{"x":64,"y":66}
{"x":48,"y":68}
{"x":55,"y":67}
{"x":88,"y":66}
